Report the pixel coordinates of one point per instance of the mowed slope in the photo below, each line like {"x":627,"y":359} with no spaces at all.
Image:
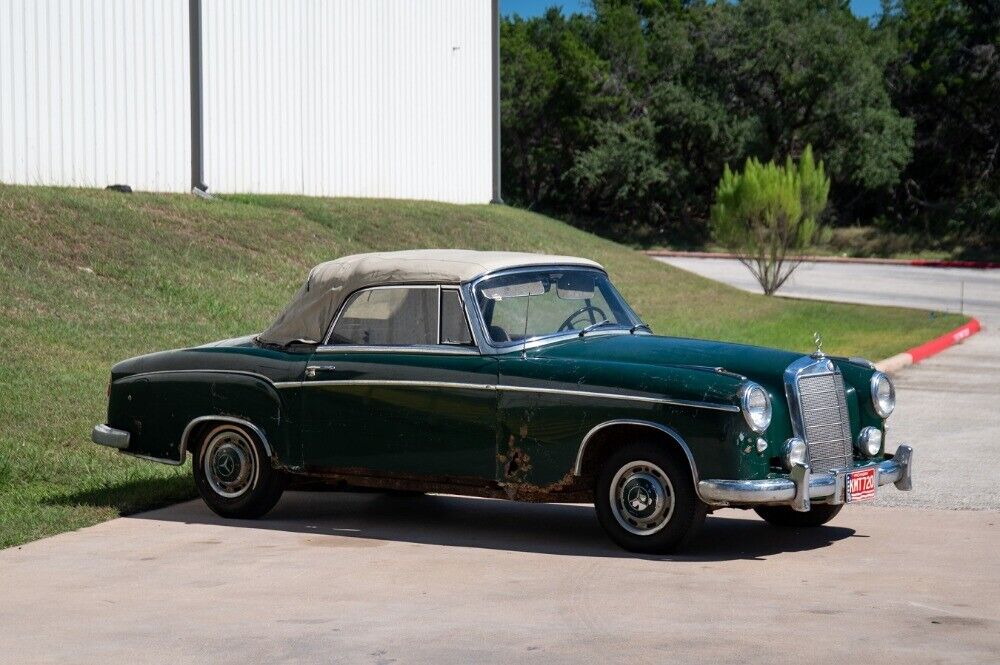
{"x":91,"y":277}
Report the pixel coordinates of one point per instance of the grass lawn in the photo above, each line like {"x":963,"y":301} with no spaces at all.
{"x":89,"y":277}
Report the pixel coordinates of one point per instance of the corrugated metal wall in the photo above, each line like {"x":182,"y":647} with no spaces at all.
{"x":370,"y":98}
{"x":95,"y":92}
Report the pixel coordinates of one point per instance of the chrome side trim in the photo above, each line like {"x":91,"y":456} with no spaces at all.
{"x":443,"y":350}
{"x":225,"y":419}
{"x":103,"y":435}
{"x":507,"y":388}
{"x":672,"y":433}
{"x":635,"y":398}
{"x":389,"y":382}
{"x":198,"y":371}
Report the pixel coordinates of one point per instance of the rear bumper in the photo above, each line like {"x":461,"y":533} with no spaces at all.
{"x":801,"y":487}
{"x":109,"y":436}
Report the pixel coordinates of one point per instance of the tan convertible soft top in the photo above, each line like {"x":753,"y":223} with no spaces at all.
{"x":309,"y":314}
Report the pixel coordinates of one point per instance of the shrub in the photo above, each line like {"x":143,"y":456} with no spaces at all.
{"x":766,"y":211}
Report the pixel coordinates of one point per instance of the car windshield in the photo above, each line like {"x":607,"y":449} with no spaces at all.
{"x":539,"y":303}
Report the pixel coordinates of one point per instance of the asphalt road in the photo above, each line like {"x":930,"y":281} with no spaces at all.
{"x":974,"y":292}
{"x":947,"y":405}
{"x":339,"y":578}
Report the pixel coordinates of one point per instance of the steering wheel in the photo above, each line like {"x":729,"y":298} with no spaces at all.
{"x":568,"y":323}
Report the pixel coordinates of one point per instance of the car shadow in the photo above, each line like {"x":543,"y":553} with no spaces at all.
{"x":454,"y":521}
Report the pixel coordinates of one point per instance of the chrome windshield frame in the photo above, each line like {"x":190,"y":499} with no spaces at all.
{"x":481,"y":333}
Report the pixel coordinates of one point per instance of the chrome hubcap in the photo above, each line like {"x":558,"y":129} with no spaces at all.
{"x":642,"y":498}
{"x":230,"y":463}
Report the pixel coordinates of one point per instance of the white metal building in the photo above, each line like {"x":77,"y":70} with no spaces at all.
{"x":369,"y":98}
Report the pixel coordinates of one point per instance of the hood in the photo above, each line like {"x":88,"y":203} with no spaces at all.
{"x":761,"y":364}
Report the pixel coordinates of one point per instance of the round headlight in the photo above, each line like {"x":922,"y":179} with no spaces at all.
{"x":883,"y":394}
{"x":870,"y":441}
{"x":795,"y":452}
{"x":756,"y":406}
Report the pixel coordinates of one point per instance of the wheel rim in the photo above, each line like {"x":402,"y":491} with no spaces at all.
{"x":230,"y":463}
{"x":642,"y":498}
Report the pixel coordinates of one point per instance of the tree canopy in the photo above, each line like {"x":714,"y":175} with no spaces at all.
{"x":623,"y":120}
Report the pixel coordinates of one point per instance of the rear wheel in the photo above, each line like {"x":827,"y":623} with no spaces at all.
{"x":645,"y":499}
{"x":234,"y":475}
{"x":784,"y":516}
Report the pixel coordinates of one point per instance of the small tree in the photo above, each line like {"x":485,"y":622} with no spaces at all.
{"x":766,"y":211}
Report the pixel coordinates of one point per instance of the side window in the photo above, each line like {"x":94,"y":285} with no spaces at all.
{"x":454,"y":326}
{"x":389,"y":317}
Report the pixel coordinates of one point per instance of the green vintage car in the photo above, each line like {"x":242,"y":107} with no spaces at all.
{"x":512,"y":376}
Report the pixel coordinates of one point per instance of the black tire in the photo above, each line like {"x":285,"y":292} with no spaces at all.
{"x":785,"y":517}
{"x":664,"y":515}
{"x":233,"y":473}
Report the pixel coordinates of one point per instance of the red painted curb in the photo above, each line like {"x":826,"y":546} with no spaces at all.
{"x":932,"y":263}
{"x":935,"y":346}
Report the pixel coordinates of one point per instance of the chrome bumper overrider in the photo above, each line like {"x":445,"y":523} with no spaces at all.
{"x":801,"y":486}
{"x":109,"y":436}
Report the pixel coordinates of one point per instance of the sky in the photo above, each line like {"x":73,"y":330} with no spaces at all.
{"x":867,"y":8}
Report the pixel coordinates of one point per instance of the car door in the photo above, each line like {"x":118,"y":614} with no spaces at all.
{"x":401,"y":388}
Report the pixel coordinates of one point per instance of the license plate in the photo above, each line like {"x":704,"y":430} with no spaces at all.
{"x":861,"y":485}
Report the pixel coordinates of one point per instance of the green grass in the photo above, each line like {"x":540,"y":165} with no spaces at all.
{"x":89,"y":277}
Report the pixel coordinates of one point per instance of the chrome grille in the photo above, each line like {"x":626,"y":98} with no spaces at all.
{"x":826,"y":423}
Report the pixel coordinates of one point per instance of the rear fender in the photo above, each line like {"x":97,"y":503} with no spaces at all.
{"x":163,"y":411}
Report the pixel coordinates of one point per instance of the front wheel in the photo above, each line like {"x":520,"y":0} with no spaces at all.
{"x":234,"y":475}
{"x":645,"y":500}
{"x":784,"y":516}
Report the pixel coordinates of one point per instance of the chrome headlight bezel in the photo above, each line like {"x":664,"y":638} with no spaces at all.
{"x":757,"y":417}
{"x":884,"y":410}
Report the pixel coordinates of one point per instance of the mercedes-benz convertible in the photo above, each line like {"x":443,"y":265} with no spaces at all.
{"x":512,"y":376}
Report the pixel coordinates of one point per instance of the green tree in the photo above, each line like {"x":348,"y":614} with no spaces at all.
{"x":765,"y":211}
{"x":947,"y":79}
{"x":809,"y":72}
{"x":551,"y":105}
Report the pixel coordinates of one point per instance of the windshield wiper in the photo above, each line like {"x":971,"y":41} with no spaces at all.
{"x":640,"y":326}
{"x":595,"y":326}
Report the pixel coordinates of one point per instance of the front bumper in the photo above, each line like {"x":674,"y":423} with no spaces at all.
{"x":109,"y":436}
{"x":801,"y":487}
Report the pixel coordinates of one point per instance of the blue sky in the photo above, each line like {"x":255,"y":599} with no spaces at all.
{"x":534,"y":7}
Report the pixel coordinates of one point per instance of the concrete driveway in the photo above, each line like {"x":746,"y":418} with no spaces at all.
{"x":348,"y":578}
{"x":368,"y":578}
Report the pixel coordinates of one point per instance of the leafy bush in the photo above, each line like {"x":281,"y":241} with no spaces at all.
{"x":766,"y":211}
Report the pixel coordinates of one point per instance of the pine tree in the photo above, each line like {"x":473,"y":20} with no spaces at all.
{"x":765,"y":211}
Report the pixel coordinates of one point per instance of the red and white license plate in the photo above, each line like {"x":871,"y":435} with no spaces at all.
{"x":860,"y":485}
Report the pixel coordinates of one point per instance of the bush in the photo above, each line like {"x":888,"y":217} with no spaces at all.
{"x":766,"y":211}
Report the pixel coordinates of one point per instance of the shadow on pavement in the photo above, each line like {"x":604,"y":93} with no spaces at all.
{"x":498,"y":525}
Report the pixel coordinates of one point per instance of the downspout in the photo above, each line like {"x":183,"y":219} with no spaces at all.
{"x":198,"y":185}
{"x":497,"y":198}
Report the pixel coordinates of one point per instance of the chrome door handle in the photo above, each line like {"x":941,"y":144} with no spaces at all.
{"x":311,"y":370}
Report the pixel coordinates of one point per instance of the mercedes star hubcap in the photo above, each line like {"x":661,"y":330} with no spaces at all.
{"x":230,"y":464}
{"x":642,"y":498}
